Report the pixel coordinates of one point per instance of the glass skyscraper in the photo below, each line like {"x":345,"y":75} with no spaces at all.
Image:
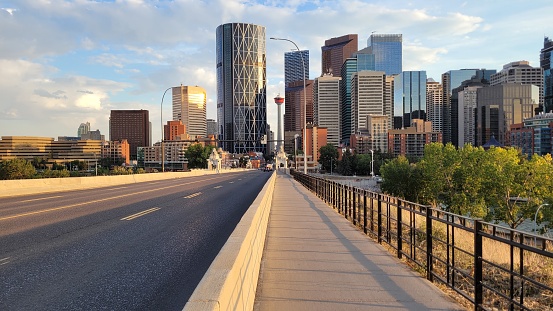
{"x":241,"y":87}
{"x":409,"y":98}
{"x":293,"y":66}
{"x":545,"y":64}
{"x":388,"y":52}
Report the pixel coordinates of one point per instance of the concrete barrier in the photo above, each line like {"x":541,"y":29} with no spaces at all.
{"x":10,"y":188}
{"x":231,"y":280}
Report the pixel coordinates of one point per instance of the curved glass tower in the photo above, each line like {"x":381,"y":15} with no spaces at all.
{"x":241,"y":87}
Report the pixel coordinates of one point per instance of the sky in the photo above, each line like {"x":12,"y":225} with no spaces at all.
{"x":67,"y":62}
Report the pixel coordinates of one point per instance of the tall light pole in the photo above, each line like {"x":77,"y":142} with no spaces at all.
{"x":163,"y":132}
{"x":304,"y":105}
{"x":372,"y":163}
{"x":295,"y":150}
{"x":535,"y":220}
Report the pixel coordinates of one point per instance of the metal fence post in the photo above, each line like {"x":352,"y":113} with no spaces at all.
{"x":365,"y":211}
{"x":399,"y":230}
{"x":429,"y":256}
{"x":379,"y":218}
{"x":478,"y":295}
{"x":354,"y":206}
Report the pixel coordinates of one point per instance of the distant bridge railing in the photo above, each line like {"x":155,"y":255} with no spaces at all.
{"x":490,"y":266}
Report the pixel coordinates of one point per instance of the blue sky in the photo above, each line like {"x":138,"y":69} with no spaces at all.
{"x":67,"y":62}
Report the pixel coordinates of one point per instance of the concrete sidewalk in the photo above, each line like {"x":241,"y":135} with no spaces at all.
{"x":314,"y":259}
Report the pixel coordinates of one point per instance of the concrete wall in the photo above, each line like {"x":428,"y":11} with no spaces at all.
{"x":45,"y":185}
{"x":231,"y":280}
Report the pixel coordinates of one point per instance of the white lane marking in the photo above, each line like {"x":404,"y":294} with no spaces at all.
{"x":148,"y":211}
{"x":111,"y":189}
{"x":31,"y":200}
{"x":217,"y":187}
{"x":4,"y":261}
{"x":231,"y":182}
{"x":192,"y":195}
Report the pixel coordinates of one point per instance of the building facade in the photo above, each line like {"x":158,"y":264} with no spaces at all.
{"x":501,"y":106}
{"x":174,"y":130}
{"x":241,"y":87}
{"x":434,"y":104}
{"x":116,"y":150}
{"x":189,"y":107}
{"x":316,"y":138}
{"x":84,"y":129}
{"x":534,"y":135}
{"x":388,"y":52}
{"x":132,"y":125}
{"x":326,"y":106}
{"x":466,"y":121}
{"x":294,"y":68}
{"x":367,"y":97}
{"x":377,"y":128}
{"x":211,"y":127}
{"x":520,"y":72}
{"x":545,"y":64}
{"x":336,"y":51}
{"x":409,"y":98}
{"x":412,"y":140}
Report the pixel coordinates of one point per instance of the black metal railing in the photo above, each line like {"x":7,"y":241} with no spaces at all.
{"x":491,"y":266}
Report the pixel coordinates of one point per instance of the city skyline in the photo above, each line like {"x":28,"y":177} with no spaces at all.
{"x":87,"y":58}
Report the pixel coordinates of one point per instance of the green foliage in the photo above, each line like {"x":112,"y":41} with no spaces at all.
{"x":347,"y":165}
{"x":363,"y":164}
{"x":54,"y":174}
{"x":17,"y":169}
{"x":328,"y":157}
{"x":121,"y":170}
{"x":197,"y":155}
{"x":401,"y":179}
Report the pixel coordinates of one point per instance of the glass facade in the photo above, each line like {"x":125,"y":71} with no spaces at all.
{"x":241,"y":87}
{"x":545,"y":64}
{"x":388,"y":52}
{"x":409,"y":98}
{"x":293,"y":66}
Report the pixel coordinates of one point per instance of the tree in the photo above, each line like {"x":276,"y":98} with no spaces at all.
{"x":328,"y":157}
{"x":363,"y":164}
{"x":17,"y":169}
{"x":197,"y":155}
{"x":401,"y":179}
{"x":347,"y":165}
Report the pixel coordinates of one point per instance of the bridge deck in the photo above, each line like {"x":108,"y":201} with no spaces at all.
{"x":314,"y":259}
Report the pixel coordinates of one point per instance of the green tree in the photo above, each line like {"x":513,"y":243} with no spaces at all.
{"x":17,"y":169}
{"x":197,"y":155}
{"x":328,"y":157}
{"x":401,"y":179}
{"x":347,"y":165}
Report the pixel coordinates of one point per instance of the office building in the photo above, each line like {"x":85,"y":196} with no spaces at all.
{"x":367,"y":97}
{"x":316,"y":139}
{"x":326,"y":106}
{"x":241,"y":87}
{"x":545,"y":64}
{"x":534,"y":135}
{"x":84,"y":128}
{"x":409,"y":98}
{"x":211,"y":127}
{"x":93,"y":135}
{"x":434,"y":104}
{"x":189,"y":107}
{"x":520,"y":72}
{"x":451,"y":80}
{"x":388,"y":52}
{"x":174,"y":130}
{"x":294,"y":105}
{"x":336,"y":51}
{"x":502,"y":105}
{"x":465,"y":131}
{"x":377,"y":129}
{"x":132,"y":125}
{"x":116,"y":151}
{"x":293,"y":67}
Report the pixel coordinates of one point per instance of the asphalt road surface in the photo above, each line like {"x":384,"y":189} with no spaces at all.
{"x":143,"y":246}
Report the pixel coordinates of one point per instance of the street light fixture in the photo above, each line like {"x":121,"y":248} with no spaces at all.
{"x":304,"y":105}
{"x":163,"y":132}
{"x":372,"y":163}
{"x":296,"y":150}
{"x":535,"y":221}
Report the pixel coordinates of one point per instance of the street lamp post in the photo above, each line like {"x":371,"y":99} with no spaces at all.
{"x":163,"y":132}
{"x":372,"y":163}
{"x":296,"y":150}
{"x":535,"y":221}
{"x":304,"y":105}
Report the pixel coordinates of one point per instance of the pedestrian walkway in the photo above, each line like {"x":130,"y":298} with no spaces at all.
{"x":314,"y":259}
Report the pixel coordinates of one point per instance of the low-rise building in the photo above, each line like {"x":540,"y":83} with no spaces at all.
{"x":411,"y":141}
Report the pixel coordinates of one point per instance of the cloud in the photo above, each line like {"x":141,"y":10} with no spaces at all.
{"x":54,"y":95}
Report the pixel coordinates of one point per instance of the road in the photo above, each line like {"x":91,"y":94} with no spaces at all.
{"x":135,"y":247}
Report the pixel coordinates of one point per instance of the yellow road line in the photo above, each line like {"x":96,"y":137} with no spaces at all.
{"x":31,"y":200}
{"x":111,"y":189}
{"x":192,"y":195}
{"x":101,"y":200}
{"x":4,"y":261}
{"x":148,"y":211}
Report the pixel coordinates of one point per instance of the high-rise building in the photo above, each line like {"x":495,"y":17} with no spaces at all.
{"x":189,"y":107}
{"x":451,"y":80}
{"x":293,"y":67}
{"x":211,"y":127}
{"x":388,"y":52}
{"x":434,"y":104}
{"x":466,"y":121}
{"x":534,"y":135}
{"x":336,"y":51}
{"x":377,"y":127}
{"x":501,"y":106}
{"x":174,"y":130}
{"x":367,"y":97}
{"x":326,"y":106}
{"x":294,"y":106}
{"x":132,"y":125}
{"x":520,"y":72}
{"x":411,"y":140}
{"x":84,"y":128}
{"x":361,"y":60}
{"x":409,"y":98}
{"x":545,"y":64}
{"x":241,"y":87}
